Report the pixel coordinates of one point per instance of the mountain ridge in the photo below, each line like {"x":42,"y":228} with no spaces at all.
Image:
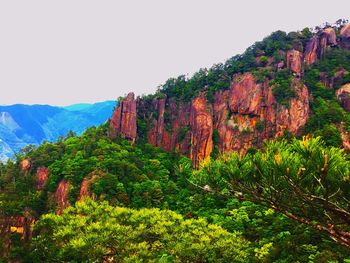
{"x":23,"y":124}
{"x":267,"y":92}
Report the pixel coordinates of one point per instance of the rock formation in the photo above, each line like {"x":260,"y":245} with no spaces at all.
{"x":84,"y":189}
{"x":345,"y":36}
{"x":42,"y":174}
{"x":299,"y":107}
{"x":201,"y":124}
{"x":317,"y":45}
{"x":61,"y":196}
{"x":311,"y":51}
{"x":241,"y":117}
{"x":25,"y":165}
{"x":294,"y":61}
{"x":124,"y":118}
{"x":343,"y":95}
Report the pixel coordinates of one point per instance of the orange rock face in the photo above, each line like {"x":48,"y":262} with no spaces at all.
{"x":61,"y":196}
{"x":294,"y":61}
{"x":245,"y":95}
{"x":310,"y":56}
{"x":298,"y":112}
{"x":25,"y":165}
{"x":202,"y":130}
{"x":124,"y":118}
{"x":241,"y":117}
{"x":265,"y":119}
{"x":84,"y":189}
{"x":343,"y":96}
{"x":42,"y":174}
{"x":317,"y":45}
{"x":330,"y":36}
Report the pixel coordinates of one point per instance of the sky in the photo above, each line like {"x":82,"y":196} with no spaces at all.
{"x":61,"y":52}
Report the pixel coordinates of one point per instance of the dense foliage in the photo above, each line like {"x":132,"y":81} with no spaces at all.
{"x":91,"y":232}
{"x":142,"y":176}
{"x":304,"y":180}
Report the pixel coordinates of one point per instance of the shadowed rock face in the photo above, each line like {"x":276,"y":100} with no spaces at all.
{"x":343,"y":95}
{"x":241,"y":117}
{"x":124,"y":118}
{"x":61,"y":196}
{"x":345,"y":36}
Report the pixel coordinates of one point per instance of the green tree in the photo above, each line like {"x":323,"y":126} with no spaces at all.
{"x":305,"y":180}
{"x":98,"y":232}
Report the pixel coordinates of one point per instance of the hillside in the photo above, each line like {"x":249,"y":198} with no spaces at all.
{"x":21,"y":125}
{"x":244,"y":162}
{"x":287,"y":84}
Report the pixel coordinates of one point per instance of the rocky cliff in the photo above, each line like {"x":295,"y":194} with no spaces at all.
{"x":237,"y":118}
{"x":241,"y":117}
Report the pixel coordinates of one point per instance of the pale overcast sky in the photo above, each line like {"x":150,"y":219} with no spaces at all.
{"x":71,"y":51}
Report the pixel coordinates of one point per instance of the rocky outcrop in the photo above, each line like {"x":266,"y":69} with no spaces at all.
{"x":245,"y":95}
{"x":84,"y":189}
{"x":61,"y":196}
{"x":42,"y":174}
{"x":294,"y":61}
{"x":124,"y":118}
{"x":25,"y":165}
{"x":299,"y":107}
{"x":345,"y":36}
{"x":310,"y":56}
{"x":326,"y":38}
{"x":156,"y":136}
{"x":241,"y":117}
{"x":317,"y":45}
{"x":330,"y":36}
{"x":343,"y":95}
{"x":201,"y":123}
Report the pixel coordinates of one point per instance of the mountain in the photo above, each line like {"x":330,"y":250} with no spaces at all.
{"x":247,"y":161}
{"x":287,"y":84}
{"x":21,"y":125}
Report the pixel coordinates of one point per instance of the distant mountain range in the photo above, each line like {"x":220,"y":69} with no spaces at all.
{"x":21,"y":124}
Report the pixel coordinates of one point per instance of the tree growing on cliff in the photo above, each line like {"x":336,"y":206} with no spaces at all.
{"x":304,"y":180}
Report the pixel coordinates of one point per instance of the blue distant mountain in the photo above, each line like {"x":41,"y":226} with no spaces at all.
{"x":21,"y":124}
